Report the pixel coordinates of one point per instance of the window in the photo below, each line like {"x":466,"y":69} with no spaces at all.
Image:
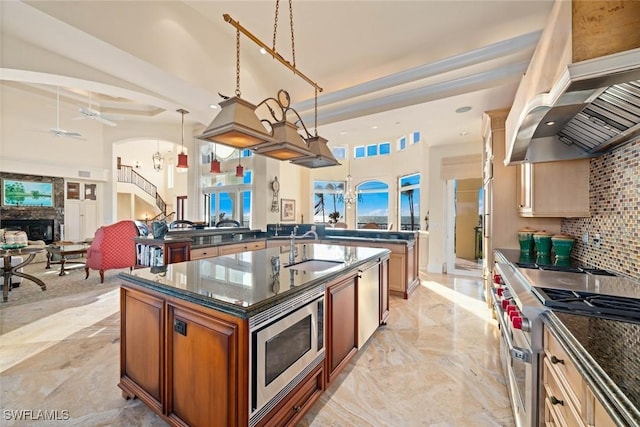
{"x":372,"y":150}
{"x":339,"y":152}
{"x":372,"y":204}
{"x":415,"y":137}
{"x":247,"y":153}
{"x":384,"y":148}
{"x":231,"y":201}
{"x":409,"y":206}
{"x":402,"y":143}
{"x":358,"y":152}
{"x":328,"y":202}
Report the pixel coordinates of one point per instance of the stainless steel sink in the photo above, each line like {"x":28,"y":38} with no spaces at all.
{"x":314,"y":265}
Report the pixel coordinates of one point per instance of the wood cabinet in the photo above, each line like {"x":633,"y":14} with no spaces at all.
{"x":554,"y":189}
{"x":567,"y":399}
{"x":155,"y":252}
{"x":290,"y":411}
{"x":207,"y":252}
{"x":342,"y":332}
{"x":202,"y":368}
{"x":241,"y":247}
{"x":142,"y":347}
{"x":384,"y":291}
{"x":186,"y":362}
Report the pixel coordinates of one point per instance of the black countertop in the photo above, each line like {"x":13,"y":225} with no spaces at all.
{"x":607,"y":352}
{"x":245,"y":283}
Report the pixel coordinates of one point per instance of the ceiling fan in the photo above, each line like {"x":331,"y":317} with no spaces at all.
{"x":88,"y":112}
{"x":58,"y":131}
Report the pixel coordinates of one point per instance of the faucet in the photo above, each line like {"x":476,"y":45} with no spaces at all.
{"x":293,"y":251}
{"x":277,"y":226}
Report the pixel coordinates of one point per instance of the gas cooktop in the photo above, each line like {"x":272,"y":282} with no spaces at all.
{"x":590,"y":304}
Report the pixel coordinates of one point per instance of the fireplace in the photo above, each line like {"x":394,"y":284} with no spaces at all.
{"x":36,"y":229}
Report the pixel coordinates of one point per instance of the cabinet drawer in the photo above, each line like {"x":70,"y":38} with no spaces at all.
{"x":254,"y":246}
{"x":290,"y":411}
{"x":557,"y":399}
{"x":204,"y":253}
{"x":564,"y":367}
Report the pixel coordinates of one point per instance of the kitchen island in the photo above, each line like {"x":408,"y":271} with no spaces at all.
{"x":191,"y":344}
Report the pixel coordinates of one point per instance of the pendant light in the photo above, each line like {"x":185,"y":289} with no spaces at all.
{"x":236,"y":125}
{"x":215,"y":163}
{"x":158,"y":160}
{"x":182,"y":157}
{"x":239,"y":168}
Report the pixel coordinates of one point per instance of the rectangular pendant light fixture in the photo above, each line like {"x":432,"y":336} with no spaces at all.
{"x":236,"y":125}
{"x":287,"y":144}
{"x":321,"y":154}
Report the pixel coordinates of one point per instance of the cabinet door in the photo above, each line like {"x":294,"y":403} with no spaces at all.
{"x":72,"y":221}
{"x":177,"y":252}
{"x":341,"y":328}
{"x":203,"y":369}
{"x":397,"y":277}
{"x":141,"y":349}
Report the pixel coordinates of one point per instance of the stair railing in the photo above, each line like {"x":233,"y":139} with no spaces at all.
{"x":126,"y":174}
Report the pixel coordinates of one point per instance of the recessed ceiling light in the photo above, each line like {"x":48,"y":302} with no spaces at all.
{"x":213,"y":106}
{"x":464,"y":133}
{"x":263,"y":51}
{"x":344,"y":132}
{"x":463,"y":109}
{"x":550,"y":123}
{"x":374,"y":127}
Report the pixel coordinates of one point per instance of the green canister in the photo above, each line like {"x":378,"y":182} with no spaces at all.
{"x":525,"y":238}
{"x":542,"y":240}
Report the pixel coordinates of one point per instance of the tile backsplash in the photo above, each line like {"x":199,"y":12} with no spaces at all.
{"x":614,"y":193}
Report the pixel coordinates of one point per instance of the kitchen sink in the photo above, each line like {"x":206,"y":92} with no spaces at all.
{"x":314,"y":265}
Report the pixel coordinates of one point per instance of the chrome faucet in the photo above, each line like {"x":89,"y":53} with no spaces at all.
{"x":293,"y":251}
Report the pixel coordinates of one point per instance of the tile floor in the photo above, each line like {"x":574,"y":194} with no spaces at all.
{"x":434,"y":364}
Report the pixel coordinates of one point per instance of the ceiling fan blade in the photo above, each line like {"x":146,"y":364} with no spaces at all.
{"x":96,"y":115}
{"x":64,"y":133}
{"x":105,"y":121}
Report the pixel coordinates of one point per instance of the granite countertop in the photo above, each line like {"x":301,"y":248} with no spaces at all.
{"x":607,"y":353}
{"x":245,"y":283}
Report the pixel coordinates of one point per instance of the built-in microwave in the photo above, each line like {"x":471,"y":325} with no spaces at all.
{"x":287,"y":342}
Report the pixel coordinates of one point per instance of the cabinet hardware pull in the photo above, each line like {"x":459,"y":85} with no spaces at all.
{"x":555,"y":360}
{"x":555,"y":401}
{"x":297,"y":408}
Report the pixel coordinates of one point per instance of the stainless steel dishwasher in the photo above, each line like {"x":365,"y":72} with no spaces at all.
{"x":368,"y":301}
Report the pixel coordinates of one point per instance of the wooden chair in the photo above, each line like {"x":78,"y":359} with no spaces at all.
{"x":371,"y":226}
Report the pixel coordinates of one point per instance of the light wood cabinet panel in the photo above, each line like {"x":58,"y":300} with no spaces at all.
{"x":342,"y":325}
{"x":241,"y":247}
{"x":554,"y":189}
{"x":207,"y":252}
{"x":203,"y":367}
{"x":142,"y":347}
{"x":384,"y":291}
{"x":601,"y":417}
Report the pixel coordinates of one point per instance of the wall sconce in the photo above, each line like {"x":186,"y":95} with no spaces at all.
{"x":182,"y":157}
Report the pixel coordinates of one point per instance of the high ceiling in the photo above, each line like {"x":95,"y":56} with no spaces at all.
{"x":387,"y":67}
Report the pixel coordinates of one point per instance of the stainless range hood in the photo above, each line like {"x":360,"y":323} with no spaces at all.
{"x":594,"y":107}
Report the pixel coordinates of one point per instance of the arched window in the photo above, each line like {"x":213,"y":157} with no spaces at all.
{"x":372,"y":204}
{"x":328,"y":203}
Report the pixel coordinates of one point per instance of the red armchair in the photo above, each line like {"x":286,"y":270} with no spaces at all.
{"x":112,"y":247}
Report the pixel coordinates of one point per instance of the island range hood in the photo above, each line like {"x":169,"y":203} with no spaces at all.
{"x":593,"y":108}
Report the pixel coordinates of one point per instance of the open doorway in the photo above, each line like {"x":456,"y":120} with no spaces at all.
{"x":464,"y":227}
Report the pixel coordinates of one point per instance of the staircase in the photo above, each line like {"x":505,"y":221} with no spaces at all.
{"x":126,"y":174}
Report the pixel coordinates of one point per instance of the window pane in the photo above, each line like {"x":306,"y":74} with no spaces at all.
{"x":328,"y":201}
{"x":247,"y":153}
{"x":410,"y":180}
{"x":339,"y":152}
{"x":226,"y":206}
{"x":246,"y":208}
{"x":385,"y":148}
{"x":372,"y":186}
{"x":410,"y":209}
{"x":358,"y":152}
{"x":214,"y":213}
{"x":415,"y":137}
{"x":402,"y":143}
{"x":372,"y":150}
{"x":247,"y":177}
{"x":373,"y":207}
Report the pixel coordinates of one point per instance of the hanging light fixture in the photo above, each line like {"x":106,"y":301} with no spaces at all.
{"x":158,"y":160}
{"x":215,"y":163}
{"x":321,"y":155}
{"x":350,"y":196}
{"x":182,"y":157}
{"x":236,"y":125}
{"x":239,"y":168}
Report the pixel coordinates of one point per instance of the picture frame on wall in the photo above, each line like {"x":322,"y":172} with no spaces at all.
{"x":27,"y":193}
{"x":287,"y":210}
{"x":73,"y":190}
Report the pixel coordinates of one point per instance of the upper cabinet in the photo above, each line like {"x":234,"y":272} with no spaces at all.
{"x":555,"y":189}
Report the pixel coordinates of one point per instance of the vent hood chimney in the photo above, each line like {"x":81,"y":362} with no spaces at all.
{"x":585,"y":108}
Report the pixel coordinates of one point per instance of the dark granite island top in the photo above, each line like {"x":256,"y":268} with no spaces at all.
{"x":607,"y":354}
{"x":245,"y":284}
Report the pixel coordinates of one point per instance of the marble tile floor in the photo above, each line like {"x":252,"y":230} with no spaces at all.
{"x":434,"y":364}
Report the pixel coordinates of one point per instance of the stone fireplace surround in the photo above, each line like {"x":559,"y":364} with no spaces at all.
{"x":36,"y":219}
